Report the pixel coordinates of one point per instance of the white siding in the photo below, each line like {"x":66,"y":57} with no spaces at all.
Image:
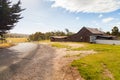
{"x":115,"y":42}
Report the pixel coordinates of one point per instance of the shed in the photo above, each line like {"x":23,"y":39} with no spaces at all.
{"x":58,"y":38}
{"x":86,"y":34}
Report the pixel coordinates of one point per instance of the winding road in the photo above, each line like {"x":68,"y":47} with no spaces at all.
{"x":27,"y":61}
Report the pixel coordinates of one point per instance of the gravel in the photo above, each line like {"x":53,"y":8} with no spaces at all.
{"x":26,"y":61}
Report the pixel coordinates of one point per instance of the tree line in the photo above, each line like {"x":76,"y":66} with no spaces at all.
{"x":45,"y":36}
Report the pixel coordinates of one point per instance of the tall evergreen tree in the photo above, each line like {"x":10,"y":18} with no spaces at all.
{"x":9,"y":15}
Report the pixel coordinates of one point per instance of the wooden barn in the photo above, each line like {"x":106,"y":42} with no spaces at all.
{"x":84,"y":35}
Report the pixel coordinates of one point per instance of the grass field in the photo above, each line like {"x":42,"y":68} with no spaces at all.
{"x":105,"y":65}
{"x":12,"y":41}
{"x":16,"y":40}
{"x":60,"y":45}
{"x":5,"y":45}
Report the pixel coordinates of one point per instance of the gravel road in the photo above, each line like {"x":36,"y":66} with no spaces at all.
{"x":27,"y":61}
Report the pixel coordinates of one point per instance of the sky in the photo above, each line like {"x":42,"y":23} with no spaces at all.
{"x":53,"y":15}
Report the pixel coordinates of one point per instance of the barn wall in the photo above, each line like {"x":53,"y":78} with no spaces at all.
{"x":86,"y":34}
{"x":57,"y":39}
{"x":82,"y":36}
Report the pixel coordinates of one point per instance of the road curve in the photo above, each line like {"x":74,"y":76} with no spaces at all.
{"x":26,"y":61}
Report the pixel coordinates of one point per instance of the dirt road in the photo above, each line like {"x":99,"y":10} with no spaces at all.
{"x":27,"y":61}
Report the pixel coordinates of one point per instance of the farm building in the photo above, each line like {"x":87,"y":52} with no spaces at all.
{"x":84,"y":35}
{"x":58,"y":38}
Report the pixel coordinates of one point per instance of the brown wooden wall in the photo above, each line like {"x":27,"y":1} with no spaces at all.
{"x":82,"y":36}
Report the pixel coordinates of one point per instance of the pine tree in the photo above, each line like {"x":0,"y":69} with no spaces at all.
{"x":9,"y":15}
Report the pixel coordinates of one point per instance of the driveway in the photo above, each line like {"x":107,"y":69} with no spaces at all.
{"x":27,"y":61}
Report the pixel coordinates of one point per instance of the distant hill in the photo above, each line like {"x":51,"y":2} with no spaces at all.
{"x":17,"y":35}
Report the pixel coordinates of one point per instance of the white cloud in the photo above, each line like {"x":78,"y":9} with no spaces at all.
{"x":107,"y":20}
{"x":118,"y":24}
{"x":28,"y":3}
{"x":89,"y":6}
{"x":95,"y":22}
{"x":100,"y":16}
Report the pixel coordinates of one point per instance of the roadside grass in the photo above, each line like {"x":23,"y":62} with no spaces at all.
{"x":17,"y":40}
{"x":92,"y":67}
{"x":60,"y":45}
{"x":5,"y":45}
{"x":11,"y":42}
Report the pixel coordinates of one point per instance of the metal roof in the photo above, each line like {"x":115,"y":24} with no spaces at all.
{"x":94,"y":30}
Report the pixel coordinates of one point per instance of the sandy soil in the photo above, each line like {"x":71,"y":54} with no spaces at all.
{"x":61,"y":68}
{"x":62,"y":64}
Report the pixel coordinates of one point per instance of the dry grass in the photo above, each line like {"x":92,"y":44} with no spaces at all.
{"x":17,"y":40}
{"x":5,"y":45}
{"x":11,"y":41}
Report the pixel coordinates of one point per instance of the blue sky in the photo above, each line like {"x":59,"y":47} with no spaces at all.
{"x":53,"y":15}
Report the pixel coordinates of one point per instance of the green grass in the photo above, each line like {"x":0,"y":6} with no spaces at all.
{"x":91,"y":66}
{"x":60,"y":45}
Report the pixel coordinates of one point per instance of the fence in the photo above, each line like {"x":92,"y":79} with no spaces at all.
{"x":113,"y":42}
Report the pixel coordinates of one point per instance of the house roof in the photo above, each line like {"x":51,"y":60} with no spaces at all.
{"x":94,"y":30}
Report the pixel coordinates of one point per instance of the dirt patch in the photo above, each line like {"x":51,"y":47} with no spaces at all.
{"x":62,"y":64}
{"x":107,"y":72}
{"x":75,"y":45}
{"x":80,"y":53}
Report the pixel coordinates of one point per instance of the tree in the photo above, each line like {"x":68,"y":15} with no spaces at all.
{"x":108,"y":33}
{"x":68,"y":33}
{"x":37,"y":36}
{"x":9,"y":15}
{"x":67,"y":30}
{"x":115,"y":31}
